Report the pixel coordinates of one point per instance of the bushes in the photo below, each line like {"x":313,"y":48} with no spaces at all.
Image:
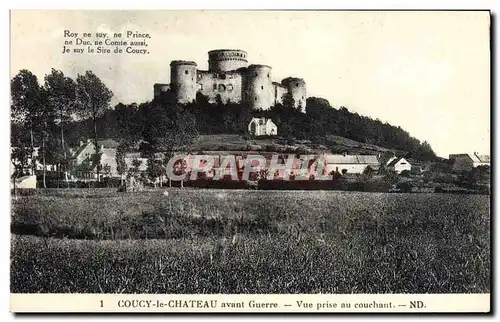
{"x":105,"y":183}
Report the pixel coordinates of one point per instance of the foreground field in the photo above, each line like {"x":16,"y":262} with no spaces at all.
{"x":216,"y":241}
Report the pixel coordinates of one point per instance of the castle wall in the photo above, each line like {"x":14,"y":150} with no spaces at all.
{"x":257,"y":87}
{"x":229,"y":77}
{"x":227,"y":85}
{"x":160,"y":88}
{"x":279,"y":91}
{"x":183,"y":80}
{"x":224,"y":60}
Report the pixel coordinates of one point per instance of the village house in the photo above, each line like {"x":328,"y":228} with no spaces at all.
{"x":344,"y":163}
{"x":85,"y":168}
{"x":262,"y":126}
{"x":398,"y":164}
{"x":467,"y":161}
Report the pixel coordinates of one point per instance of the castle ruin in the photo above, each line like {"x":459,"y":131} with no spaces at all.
{"x":230,"y":77}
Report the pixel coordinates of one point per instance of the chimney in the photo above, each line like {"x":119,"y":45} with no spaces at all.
{"x":344,"y":153}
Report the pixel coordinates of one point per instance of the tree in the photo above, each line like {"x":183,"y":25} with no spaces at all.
{"x":93,"y":99}
{"x":21,"y":150}
{"x":405,"y":173}
{"x":45,"y":123}
{"x":60,"y":93}
{"x":155,"y":170}
{"x":288,"y":101}
{"x":128,"y":122}
{"x":121,"y":166}
{"x":368,"y":172}
{"x":25,"y":107}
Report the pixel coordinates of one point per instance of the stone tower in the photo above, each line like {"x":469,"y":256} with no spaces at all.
{"x":225,"y":60}
{"x":257,"y":87}
{"x":296,"y":87}
{"x":183,"y":80}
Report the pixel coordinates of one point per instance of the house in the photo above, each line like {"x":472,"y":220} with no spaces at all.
{"x":467,"y":161}
{"x":344,"y":163}
{"x":85,"y":167}
{"x":262,"y":126}
{"x":398,"y":164}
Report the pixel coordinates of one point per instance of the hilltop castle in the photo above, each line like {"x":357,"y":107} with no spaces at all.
{"x":230,"y":76}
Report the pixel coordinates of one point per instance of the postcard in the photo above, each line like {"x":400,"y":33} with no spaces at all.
{"x":250,"y":161}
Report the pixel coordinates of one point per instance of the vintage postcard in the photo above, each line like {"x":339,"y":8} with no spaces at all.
{"x":250,"y":161}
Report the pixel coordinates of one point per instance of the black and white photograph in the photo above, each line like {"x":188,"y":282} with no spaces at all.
{"x":236,"y":153}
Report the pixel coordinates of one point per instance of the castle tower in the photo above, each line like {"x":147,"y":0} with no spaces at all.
{"x":297,"y":89}
{"x":258,"y":88}
{"x":160,"y":88}
{"x":183,"y":80}
{"x":224,"y":60}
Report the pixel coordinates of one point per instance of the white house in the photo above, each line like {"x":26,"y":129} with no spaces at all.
{"x":262,"y":126}
{"x":351,"y":163}
{"x":82,"y":158}
{"x":467,"y":161}
{"x":398,"y":164}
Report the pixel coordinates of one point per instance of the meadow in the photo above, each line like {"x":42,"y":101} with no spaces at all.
{"x":249,"y":241}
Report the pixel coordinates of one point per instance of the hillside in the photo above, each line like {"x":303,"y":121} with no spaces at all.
{"x":235,"y":142}
{"x":216,"y":127}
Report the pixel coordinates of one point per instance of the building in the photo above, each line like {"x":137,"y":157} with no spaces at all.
{"x":467,"y":161}
{"x":231,"y":78}
{"x":262,"y":126}
{"x":398,"y":164}
{"x":349,"y":163}
{"x":82,"y":164}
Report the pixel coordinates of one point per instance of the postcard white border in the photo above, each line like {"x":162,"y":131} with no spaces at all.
{"x":448,"y":301}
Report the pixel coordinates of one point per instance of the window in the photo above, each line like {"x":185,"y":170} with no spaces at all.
{"x":297,"y":85}
{"x":215,"y":87}
{"x":256,"y":99}
{"x":268,"y":75}
{"x":229,"y":88}
{"x":262,"y":87}
{"x":186,"y":72}
{"x":222,"y":88}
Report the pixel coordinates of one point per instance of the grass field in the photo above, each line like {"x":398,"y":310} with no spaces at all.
{"x":239,"y":241}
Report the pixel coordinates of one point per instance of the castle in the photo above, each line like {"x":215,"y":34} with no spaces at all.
{"x":230,"y":76}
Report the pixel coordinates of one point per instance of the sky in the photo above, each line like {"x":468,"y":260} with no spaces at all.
{"x":428,"y":72}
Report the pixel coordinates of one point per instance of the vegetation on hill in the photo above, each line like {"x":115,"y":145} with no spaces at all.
{"x":319,"y":125}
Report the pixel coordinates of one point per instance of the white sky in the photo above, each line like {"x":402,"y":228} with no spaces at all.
{"x":428,"y":72}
